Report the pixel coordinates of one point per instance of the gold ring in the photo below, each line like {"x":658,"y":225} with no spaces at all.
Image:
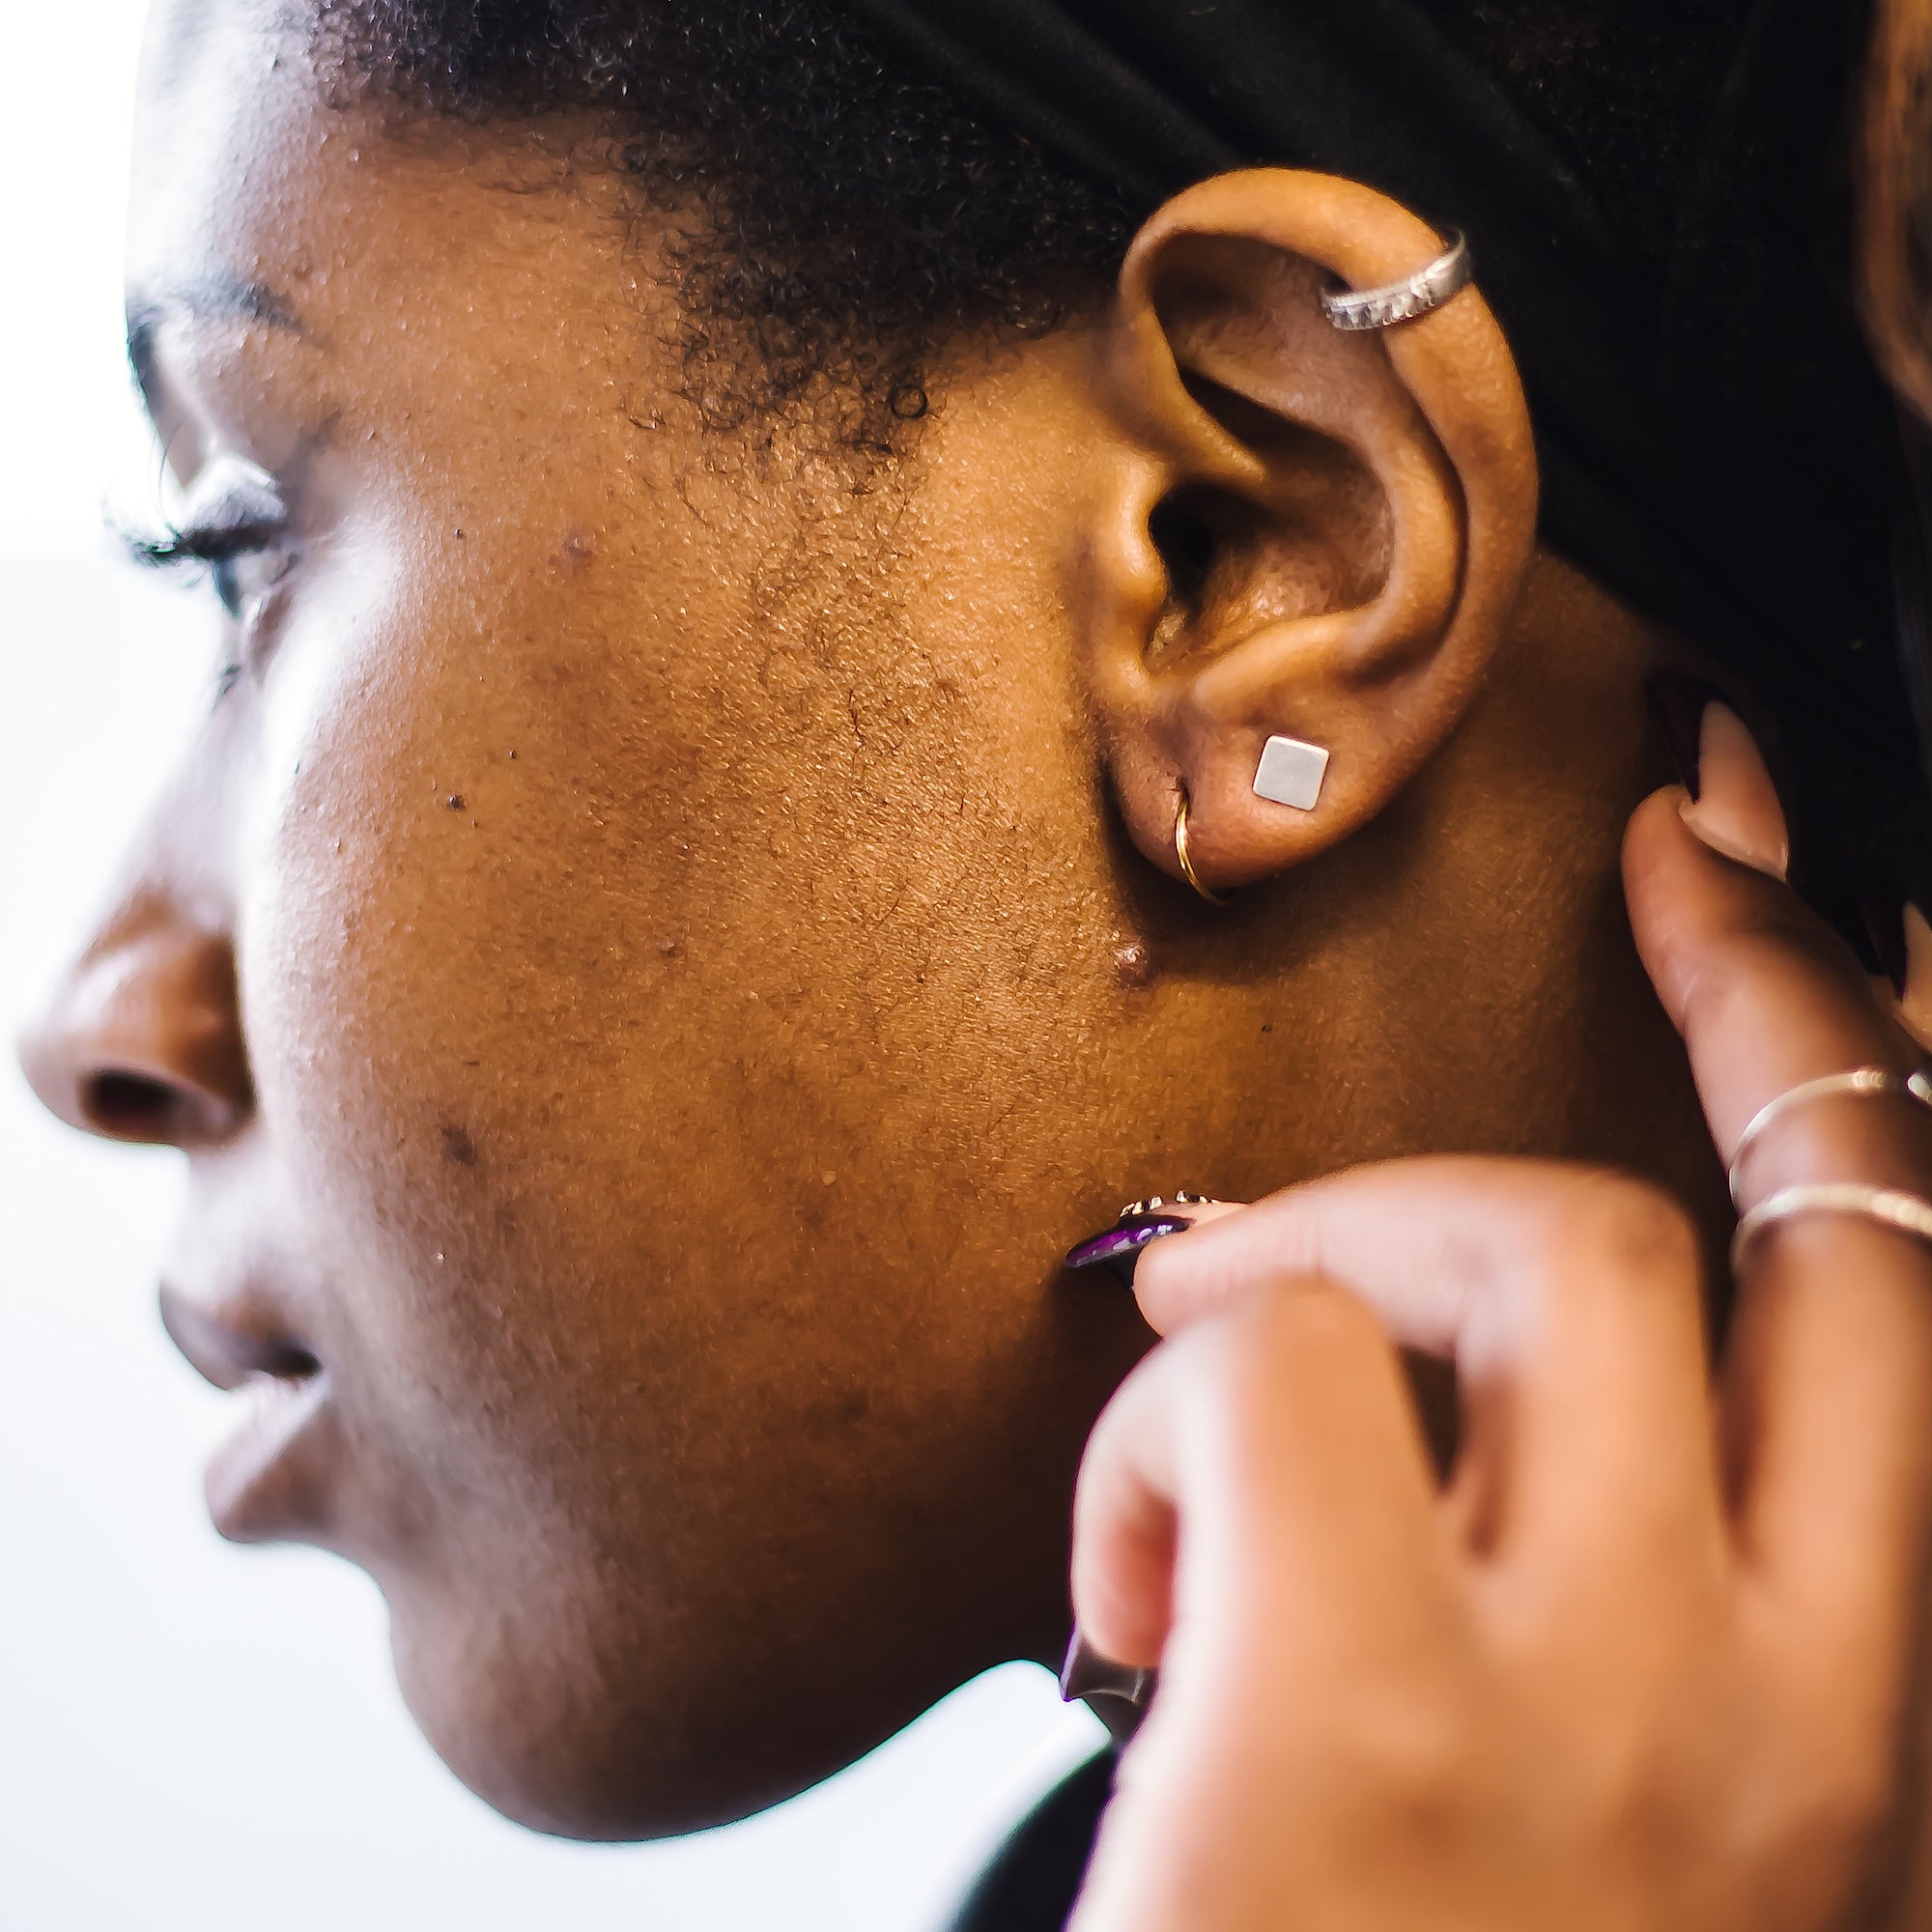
{"x":1182,"y":853}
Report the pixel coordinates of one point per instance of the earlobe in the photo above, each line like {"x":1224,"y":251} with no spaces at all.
{"x":1310,"y":536}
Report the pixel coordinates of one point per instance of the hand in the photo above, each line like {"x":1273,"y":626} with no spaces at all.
{"x":1649,"y":1658}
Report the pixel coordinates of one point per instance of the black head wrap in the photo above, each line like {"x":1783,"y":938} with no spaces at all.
{"x":1714,"y":441}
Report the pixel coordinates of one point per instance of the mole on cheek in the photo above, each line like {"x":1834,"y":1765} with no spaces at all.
{"x":458,"y":1147}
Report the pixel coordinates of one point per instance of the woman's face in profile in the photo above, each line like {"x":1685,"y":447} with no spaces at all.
{"x":629,"y":1122}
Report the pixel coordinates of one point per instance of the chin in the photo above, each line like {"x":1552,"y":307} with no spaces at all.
{"x":541,"y":1748}
{"x":554,"y":1737}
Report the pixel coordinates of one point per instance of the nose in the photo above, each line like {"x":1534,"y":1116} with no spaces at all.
{"x":142,"y":1037}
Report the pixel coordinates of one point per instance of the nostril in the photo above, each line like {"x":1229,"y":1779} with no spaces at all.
{"x":288,"y":1363}
{"x":131,"y":1106}
{"x":141,"y":1039}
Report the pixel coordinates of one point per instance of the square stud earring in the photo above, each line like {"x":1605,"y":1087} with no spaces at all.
{"x":1291,"y":772}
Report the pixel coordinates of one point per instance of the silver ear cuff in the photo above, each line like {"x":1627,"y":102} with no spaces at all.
{"x":1414,"y":295}
{"x":1291,"y":772}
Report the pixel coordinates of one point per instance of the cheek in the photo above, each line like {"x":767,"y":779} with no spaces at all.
{"x":519,"y":1071}
{"x":414,"y":1030}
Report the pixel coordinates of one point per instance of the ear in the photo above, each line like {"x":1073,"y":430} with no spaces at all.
{"x":1302,"y":531}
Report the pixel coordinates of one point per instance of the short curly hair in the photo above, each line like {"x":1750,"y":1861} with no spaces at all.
{"x":853,"y":216}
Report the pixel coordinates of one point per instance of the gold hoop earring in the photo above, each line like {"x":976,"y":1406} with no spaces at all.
{"x":1186,"y":859}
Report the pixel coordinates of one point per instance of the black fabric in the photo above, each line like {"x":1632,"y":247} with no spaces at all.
{"x":1035,"y":1877}
{"x":1714,"y":442}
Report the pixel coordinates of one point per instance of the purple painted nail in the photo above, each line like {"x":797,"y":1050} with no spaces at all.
{"x":1118,"y":1248}
{"x":1678,"y":704}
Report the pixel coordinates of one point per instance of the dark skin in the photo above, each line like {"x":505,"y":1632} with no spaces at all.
{"x":664,"y":942}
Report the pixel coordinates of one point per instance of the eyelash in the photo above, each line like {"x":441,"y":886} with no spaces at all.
{"x":217,"y":546}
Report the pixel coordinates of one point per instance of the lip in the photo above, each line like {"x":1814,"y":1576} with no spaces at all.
{"x":263,"y":1481}
{"x":269,"y":1479}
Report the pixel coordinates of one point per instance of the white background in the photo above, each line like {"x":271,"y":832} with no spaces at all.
{"x":193,"y":1736}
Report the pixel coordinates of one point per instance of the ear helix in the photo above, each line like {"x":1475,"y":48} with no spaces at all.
{"x":1402,"y":384}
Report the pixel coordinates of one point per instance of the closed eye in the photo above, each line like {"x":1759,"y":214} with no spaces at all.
{"x":236,"y":529}
{"x":243,"y":561}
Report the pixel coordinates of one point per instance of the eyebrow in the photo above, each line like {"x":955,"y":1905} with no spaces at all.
{"x":217,"y":297}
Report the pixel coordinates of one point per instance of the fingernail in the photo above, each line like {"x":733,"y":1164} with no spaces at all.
{"x":1117,"y":1694}
{"x":1736,"y":809}
{"x":1678,"y":705}
{"x":1118,"y":1248}
{"x":1886,"y":929}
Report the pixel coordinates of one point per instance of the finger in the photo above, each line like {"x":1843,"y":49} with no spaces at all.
{"x":1824,"y":1402}
{"x":1261,"y":1480}
{"x":1765,"y":994}
{"x":1568,"y":1300}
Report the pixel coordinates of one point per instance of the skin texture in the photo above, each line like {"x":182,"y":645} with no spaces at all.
{"x":667,"y":937}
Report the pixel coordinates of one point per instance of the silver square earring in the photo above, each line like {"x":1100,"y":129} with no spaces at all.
{"x":1291,"y":772}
